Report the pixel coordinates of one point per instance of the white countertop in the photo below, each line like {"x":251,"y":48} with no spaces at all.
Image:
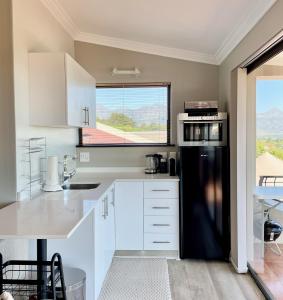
{"x":56,"y":215}
{"x":120,"y":174}
{"x":268,"y":192}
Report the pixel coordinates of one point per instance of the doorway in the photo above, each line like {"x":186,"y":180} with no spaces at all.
{"x":265,"y":172}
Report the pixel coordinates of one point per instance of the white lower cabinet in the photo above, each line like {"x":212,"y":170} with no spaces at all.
{"x":104,"y":237}
{"x":160,"y":207}
{"x":146,"y":215}
{"x":160,"y":241}
{"x":161,"y":199}
{"x":160,"y":224}
{"x":91,"y":247}
{"x":129,"y":215}
{"x":100,"y":245}
{"x":110,"y":244}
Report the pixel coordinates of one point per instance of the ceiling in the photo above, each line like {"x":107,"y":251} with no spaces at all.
{"x":202,"y":30}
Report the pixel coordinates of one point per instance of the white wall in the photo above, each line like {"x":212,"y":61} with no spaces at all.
{"x":267,"y":27}
{"x":35,"y":30}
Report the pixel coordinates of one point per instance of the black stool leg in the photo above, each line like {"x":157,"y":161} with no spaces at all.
{"x":41,"y":270}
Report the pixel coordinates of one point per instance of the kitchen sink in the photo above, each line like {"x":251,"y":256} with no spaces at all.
{"x":80,"y":186}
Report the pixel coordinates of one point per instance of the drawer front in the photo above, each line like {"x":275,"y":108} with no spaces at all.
{"x":160,"y":207}
{"x":160,"y":241}
{"x":160,"y":224}
{"x":161,"y":189}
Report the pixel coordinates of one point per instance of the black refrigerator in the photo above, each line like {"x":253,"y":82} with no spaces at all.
{"x":204,"y":202}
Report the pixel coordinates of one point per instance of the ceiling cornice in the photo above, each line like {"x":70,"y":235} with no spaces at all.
{"x":146,"y":48}
{"x":61,"y":16}
{"x":224,"y":50}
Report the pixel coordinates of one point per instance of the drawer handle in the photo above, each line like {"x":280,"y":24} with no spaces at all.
{"x":160,"y":190}
{"x":160,"y":207}
{"x":161,"y":242}
{"x":160,"y":224}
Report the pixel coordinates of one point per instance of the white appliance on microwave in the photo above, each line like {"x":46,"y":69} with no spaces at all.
{"x":208,"y":130}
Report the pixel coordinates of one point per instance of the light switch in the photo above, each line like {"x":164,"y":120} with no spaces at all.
{"x":84,"y":157}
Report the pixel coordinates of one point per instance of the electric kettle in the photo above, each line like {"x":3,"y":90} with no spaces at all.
{"x":151,"y":163}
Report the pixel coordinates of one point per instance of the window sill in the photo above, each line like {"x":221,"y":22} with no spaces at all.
{"x":123,"y":145}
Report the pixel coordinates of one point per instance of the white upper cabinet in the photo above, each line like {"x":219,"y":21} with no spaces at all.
{"x":62,"y":93}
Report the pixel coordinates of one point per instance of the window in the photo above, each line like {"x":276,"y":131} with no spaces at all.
{"x":132,"y":114}
{"x":269,"y":131}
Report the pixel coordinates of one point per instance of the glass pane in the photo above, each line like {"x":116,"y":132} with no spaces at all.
{"x":129,"y":115}
{"x":265,"y":256}
{"x":269,"y":132}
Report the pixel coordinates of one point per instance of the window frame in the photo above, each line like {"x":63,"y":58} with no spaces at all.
{"x":135,"y":85}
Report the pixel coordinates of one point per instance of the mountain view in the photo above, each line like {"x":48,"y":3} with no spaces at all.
{"x":269,"y":128}
{"x":148,"y":114}
{"x":269,"y":131}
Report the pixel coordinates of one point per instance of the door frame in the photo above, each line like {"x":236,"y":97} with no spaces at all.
{"x":238,"y":133}
{"x":238,"y":149}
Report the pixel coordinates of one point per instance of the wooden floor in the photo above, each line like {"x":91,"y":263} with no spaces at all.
{"x":270,"y":271}
{"x":196,"y":280}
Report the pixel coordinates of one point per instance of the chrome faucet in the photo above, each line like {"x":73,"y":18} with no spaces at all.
{"x":68,"y":174}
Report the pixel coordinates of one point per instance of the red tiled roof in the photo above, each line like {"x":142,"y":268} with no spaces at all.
{"x":97,"y":136}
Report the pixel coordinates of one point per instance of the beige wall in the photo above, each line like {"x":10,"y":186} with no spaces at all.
{"x":189,"y":81}
{"x":35,"y":30}
{"x":7,"y":110}
{"x":267,"y":27}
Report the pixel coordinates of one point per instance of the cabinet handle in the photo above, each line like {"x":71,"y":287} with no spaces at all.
{"x":161,"y":242}
{"x":160,"y":207}
{"x":160,"y":224}
{"x":103,"y":209}
{"x":160,"y":190}
{"x":106,"y":206}
{"x":113,"y":197}
{"x":84,"y":110}
{"x":87,"y":114}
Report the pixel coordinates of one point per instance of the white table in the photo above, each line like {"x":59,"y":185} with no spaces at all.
{"x":267,"y":196}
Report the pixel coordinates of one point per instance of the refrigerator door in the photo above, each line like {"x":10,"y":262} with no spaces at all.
{"x":204,"y":203}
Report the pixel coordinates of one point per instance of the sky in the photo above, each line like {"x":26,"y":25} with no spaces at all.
{"x":269,"y":94}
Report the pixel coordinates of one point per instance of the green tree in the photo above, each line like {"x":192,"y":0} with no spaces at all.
{"x":121,"y":120}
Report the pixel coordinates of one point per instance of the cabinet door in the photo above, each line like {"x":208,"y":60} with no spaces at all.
{"x":111,"y":214}
{"x":129,"y":215}
{"x":91,"y":104}
{"x":109,"y":229}
{"x":100,"y":244}
{"x":80,"y":88}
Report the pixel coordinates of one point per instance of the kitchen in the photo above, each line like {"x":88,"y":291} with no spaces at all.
{"x":34,"y":29}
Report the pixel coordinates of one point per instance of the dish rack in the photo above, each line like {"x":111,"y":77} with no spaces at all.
{"x":33,"y":166}
{"x":33,"y":280}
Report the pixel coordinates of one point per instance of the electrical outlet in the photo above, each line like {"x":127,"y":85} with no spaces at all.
{"x":84,"y":157}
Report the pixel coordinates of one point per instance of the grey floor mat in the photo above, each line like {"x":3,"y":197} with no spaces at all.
{"x":137,"y":279}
